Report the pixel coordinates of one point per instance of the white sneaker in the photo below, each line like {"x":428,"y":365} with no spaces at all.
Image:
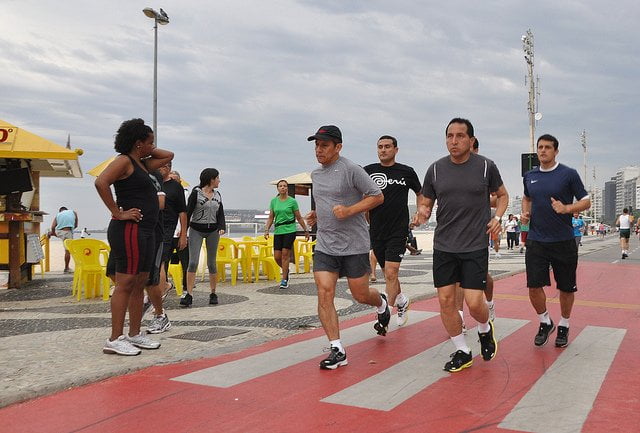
{"x":492,"y":312}
{"x":142,"y":341}
{"x":120,"y":346}
{"x":159,"y":324}
{"x":403,"y":314}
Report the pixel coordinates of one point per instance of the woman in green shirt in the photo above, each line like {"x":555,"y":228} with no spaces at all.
{"x":284,"y":212}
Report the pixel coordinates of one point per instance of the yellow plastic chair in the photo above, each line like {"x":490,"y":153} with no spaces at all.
{"x":89,"y":274}
{"x":249,"y":252}
{"x":44,"y":240}
{"x":175,"y":271}
{"x":203,"y":262}
{"x":227,"y":255}
{"x":305,"y":252}
{"x":269,"y":266}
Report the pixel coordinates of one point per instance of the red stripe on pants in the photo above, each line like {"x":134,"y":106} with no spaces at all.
{"x":131,"y":247}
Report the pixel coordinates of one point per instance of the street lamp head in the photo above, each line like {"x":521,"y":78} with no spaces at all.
{"x":160,"y":17}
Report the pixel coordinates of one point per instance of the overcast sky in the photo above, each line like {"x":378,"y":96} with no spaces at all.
{"x":241,"y":84}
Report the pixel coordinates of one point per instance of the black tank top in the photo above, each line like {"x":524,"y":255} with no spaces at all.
{"x":138,"y":190}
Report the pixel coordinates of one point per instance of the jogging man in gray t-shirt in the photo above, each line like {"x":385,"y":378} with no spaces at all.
{"x":342,"y":191}
{"x":461,"y":183}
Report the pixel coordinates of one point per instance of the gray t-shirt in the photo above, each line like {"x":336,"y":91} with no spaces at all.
{"x":462,"y":192}
{"x":345,"y":183}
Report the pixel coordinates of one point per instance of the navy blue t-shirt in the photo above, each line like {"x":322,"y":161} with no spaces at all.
{"x":562,"y":183}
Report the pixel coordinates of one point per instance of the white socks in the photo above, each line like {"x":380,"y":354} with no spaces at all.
{"x":461,"y":343}
{"x":338,"y":344}
{"x":383,"y":307}
{"x":544,"y":318}
{"x":564,"y":322}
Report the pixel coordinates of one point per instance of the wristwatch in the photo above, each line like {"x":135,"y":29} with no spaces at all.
{"x":497,"y":218}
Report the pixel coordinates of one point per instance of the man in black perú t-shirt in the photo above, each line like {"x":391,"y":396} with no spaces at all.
{"x":389,"y":222}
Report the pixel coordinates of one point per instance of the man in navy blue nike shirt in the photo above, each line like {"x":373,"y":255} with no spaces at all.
{"x":548,"y":202}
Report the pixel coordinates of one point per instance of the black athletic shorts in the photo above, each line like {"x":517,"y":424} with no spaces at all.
{"x":283,"y":241}
{"x":469,"y":269}
{"x":563,"y":258}
{"x":389,"y":250}
{"x":132,"y":250}
{"x":625,"y":233}
{"x":353,"y":266}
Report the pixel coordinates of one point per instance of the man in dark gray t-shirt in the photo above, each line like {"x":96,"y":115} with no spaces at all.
{"x":462,"y":183}
{"x":342,"y":191}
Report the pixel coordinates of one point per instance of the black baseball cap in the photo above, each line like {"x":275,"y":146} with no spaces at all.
{"x":329,"y":132}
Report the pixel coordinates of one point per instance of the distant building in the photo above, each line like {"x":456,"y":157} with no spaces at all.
{"x":625,"y":190}
{"x":597,"y":205}
{"x":609,"y":210}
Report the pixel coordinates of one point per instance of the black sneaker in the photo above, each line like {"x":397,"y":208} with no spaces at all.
{"x":334,"y":360}
{"x":382,"y":324}
{"x":186,"y":300}
{"x":562,"y":339}
{"x":459,"y":361}
{"x":488,"y":343}
{"x":213,"y":299}
{"x":624,"y":256}
{"x":543,"y":333}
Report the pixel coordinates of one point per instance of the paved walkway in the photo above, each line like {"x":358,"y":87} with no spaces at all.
{"x":50,"y":342}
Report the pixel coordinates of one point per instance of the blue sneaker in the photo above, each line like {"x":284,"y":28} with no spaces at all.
{"x":284,"y":284}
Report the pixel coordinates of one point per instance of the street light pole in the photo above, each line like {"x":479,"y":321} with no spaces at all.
{"x":532,"y":106}
{"x":158,"y":18}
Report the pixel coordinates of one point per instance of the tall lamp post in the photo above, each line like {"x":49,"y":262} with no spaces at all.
{"x":158,"y":18}
{"x":532,"y":106}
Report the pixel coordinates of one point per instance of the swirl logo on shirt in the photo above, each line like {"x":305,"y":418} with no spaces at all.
{"x":382,"y":181}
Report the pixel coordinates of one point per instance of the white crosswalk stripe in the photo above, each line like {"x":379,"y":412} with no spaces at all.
{"x":236,"y":372}
{"x":396,"y":384}
{"x":562,"y":398}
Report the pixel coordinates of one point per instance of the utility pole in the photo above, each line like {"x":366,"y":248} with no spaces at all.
{"x":534,"y":92}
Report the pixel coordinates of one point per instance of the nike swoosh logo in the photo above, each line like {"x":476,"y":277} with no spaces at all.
{"x":533,"y":181}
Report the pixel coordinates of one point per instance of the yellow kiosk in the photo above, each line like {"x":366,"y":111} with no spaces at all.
{"x":24,"y":159}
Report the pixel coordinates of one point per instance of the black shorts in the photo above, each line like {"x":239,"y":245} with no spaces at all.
{"x":563,"y":258}
{"x":283,"y":241}
{"x":389,"y":250}
{"x":469,"y":269}
{"x":353,"y":266}
{"x":132,"y":249}
{"x":625,"y":233}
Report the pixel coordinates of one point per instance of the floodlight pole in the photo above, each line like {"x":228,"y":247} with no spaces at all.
{"x":527,"y":46}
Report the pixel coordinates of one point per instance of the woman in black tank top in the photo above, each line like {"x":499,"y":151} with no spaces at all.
{"x":134,"y":213}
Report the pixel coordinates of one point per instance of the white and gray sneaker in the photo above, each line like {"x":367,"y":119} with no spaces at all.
{"x":403,"y":313}
{"x":159,"y":324}
{"x":142,"y":341}
{"x":120,"y":346}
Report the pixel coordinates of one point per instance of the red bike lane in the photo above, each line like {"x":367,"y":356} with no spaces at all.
{"x":393,"y":383}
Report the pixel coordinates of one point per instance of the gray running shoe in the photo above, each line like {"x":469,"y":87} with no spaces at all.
{"x":159,"y":324}
{"x":120,"y":346}
{"x":142,"y":341}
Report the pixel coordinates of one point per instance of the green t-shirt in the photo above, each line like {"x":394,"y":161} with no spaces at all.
{"x":284,"y":213}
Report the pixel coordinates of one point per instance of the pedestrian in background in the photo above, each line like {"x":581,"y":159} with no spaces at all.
{"x":62,"y":226}
{"x":283,"y":213}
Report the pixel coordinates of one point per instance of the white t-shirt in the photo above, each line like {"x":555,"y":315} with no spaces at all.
{"x":625,"y":222}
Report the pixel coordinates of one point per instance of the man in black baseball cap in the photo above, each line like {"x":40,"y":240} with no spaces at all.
{"x":343,"y":192}
{"x":329,"y":133}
